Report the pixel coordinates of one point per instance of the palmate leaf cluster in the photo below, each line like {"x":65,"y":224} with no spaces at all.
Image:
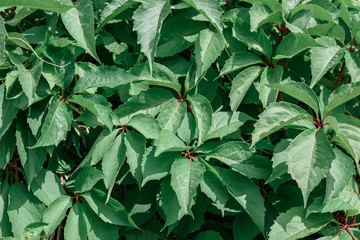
{"x":193,"y":119}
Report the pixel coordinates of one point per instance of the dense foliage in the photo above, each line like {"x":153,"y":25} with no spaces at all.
{"x":193,"y":119}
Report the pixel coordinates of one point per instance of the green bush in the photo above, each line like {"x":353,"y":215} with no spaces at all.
{"x":193,"y":119}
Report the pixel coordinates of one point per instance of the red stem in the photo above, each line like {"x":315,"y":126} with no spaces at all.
{"x":352,"y":43}
{"x":340,"y":75}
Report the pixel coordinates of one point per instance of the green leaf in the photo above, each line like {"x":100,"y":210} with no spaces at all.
{"x":348,"y":128}
{"x":186,"y":175}
{"x":5,"y":225}
{"x":276,"y":116}
{"x":7,"y":147}
{"x":33,"y":230}
{"x":202,"y":110}
{"x":215,"y":190}
{"x":23,"y":208}
{"x":241,"y":84}
{"x":269,"y":76}
{"x":57,"y":123}
{"x":224,"y":123}
{"x":47,"y":186}
{"x":293,"y":44}
{"x":239,"y":61}
{"x":328,"y":29}
{"x":299,"y":22}
{"x":172,"y":115}
{"x":113,"y":9}
{"x":258,"y":41}
{"x":340,"y":174}
{"x":47,"y":5}
{"x":156,"y":168}
{"x":170,"y":203}
{"x":31,"y":159}
{"x":187,"y":128}
{"x":98,"y":225}
{"x":309,"y":159}
{"x":146,"y":125}
{"x":76,"y":224}
{"x":231,"y":152}
{"x":29,"y":80}
{"x":300,"y":91}
{"x":322,"y":60}
{"x":135,"y":149}
{"x":79,"y":22}
{"x":112,"y":212}
{"x":87,"y":178}
{"x":341,"y":95}
{"x":145,"y":100}
{"x":7,"y":112}
{"x":246,"y":193}
{"x":272,"y":4}
{"x":323,"y":10}
{"x":210,"y":235}
{"x":102,"y":76}
{"x":293,"y":224}
{"x":96,"y":104}
{"x":99,"y":148}
{"x":148,"y":19}
{"x":177,"y":34}
{"x":160,"y":76}
{"x":2,"y":40}
{"x":353,"y":66}
{"x":55,"y":213}
{"x":261,"y":14}
{"x":244,"y":219}
{"x":210,"y":9}
{"x":113,"y":160}
{"x":208,"y":48}
{"x":169,"y":142}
